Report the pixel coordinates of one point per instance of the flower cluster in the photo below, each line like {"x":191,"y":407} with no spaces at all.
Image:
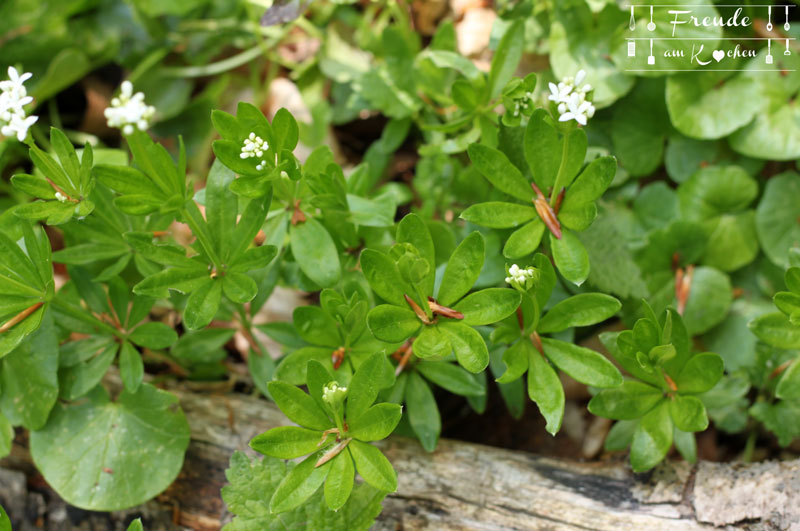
{"x":13,"y":98}
{"x":255,"y":146}
{"x":129,"y":111}
{"x":522,"y":104}
{"x":332,"y":394}
{"x":571,"y":99}
{"x":521,"y":278}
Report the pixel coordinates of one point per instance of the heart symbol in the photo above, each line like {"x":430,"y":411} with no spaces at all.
{"x":718,"y":55}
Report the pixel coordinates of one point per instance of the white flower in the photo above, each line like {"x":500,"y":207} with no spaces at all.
{"x":578,"y":109}
{"x":13,"y":99}
{"x":333,"y":394}
{"x":571,"y":98}
{"x":128,"y":111}
{"x":255,"y":146}
{"x":519,"y":276}
{"x":61,"y":197}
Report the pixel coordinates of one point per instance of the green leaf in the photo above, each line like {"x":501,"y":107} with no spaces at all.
{"x":468,"y":345}
{"x":316,"y":326}
{"x":524,"y":240}
{"x":287,"y":442}
{"x":423,"y":413}
{"x":131,"y":368}
{"x":516,"y":360}
{"x":506,"y":58}
{"x":392,"y":324}
{"x":373,"y":466}
{"x":583,"y":364}
{"x":652,"y":439}
{"x":339,"y":483}
{"x":709,"y":300}
{"x":544,"y":388}
{"x":630,"y":401}
{"x":590,"y":184}
{"x":498,"y":214}
{"x":315,"y":252}
{"x":688,"y":413}
{"x":373,"y":375}
{"x":579,"y":310}
{"x":433,"y":343}
{"x":98,"y":467}
{"x":252,"y":484}
{"x":299,"y":407}
{"x":685,"y":444}
{"x":202,"y":304}
{"x":498,"y":170}
{"x":413,"y":230}
{"x":572,"y":157}
{"x":462,"y":270}
{"x":788,"y":387}
{"x":699,"y":103}
{"x":383,"y":277}
{"x":775,"y":329}
{"x":701,"y":373}
{"x":153,"y":335}
{"x":28,"y":379}
{"x":299,"y":484}
{"x":488,"y":306}
{"x":77,"y":380}
{"x":6,"y":441}
{"x":776,"y":217}
{"x":542,"y":148}
{"x":376,"y":423}
{"x":570,"y":257}
{"x":451,"y":377}
{"x":239,"y":287}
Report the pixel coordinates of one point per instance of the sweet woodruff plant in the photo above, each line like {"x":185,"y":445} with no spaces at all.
{"x":518,"y":238}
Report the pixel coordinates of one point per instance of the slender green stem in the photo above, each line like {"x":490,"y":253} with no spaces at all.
{"x":219,"y":67}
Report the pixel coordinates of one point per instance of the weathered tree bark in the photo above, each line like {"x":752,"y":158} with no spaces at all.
{"x":460,"y":486}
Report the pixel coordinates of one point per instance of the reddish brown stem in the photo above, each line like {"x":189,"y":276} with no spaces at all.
{"x":8,"y":325}
{"x":297,"y":215}
{"x":780,"y":368}
{"x":438,"y":309}
{"x":546,"y":212}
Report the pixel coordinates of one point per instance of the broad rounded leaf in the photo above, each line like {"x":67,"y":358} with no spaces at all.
{"x":776,"y":217}
{"x":98,"y":466}
{"x":314,"y":325}
{"x":688,"y":413}
{"x":701,"y":373}
{"x":202,"y":304}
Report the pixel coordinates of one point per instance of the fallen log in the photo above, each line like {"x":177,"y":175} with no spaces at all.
{"x":459,"y":486}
